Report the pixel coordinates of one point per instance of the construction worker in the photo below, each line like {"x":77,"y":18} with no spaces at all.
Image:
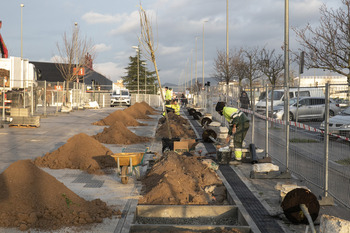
{"x":167,"y":96}
{"x":175,"y":105}
{"x":238,"y":126}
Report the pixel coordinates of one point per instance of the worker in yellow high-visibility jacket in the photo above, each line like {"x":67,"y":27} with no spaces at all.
{"x":167,"y":96}
{"x":175,"y":105}
{"x":238,"y":125}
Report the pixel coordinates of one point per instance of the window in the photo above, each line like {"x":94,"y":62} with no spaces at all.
{"x":304,"y":102}
{"x":302,"y":93}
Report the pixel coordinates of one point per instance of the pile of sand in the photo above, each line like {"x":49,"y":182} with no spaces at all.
{"x":118,"y":133}
{"x":81,"y":152}
{"x":32,"y":198}
{"x":179,"y":126}
{"x":140,"y":110}
{"x":120,"y":116}
{"x":181,"y":180}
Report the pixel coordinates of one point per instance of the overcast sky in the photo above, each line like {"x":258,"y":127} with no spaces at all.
{"x":113,"y":26}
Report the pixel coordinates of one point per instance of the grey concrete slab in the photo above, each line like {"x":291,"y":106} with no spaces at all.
{"x":22,"y":143}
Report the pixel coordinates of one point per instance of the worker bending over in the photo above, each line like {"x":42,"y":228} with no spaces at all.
{"x":173,"y":107}
{"x":238,"y":126}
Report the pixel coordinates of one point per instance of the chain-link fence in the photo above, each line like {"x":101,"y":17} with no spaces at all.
{"x":300,"y":141}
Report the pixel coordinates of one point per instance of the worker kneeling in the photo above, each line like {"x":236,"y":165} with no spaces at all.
{"x":173,"y":107}
{"x":238,"y":126}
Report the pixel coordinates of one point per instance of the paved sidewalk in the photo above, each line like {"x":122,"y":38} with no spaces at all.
{"x":29,"y":143}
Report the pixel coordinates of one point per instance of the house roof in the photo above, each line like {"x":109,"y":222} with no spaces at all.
{"x":50,"y":73}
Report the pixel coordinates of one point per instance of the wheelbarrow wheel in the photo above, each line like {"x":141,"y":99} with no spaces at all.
{"x":124,"y":176}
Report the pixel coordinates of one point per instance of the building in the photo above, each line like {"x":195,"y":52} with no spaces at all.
{"x":49,"y":72}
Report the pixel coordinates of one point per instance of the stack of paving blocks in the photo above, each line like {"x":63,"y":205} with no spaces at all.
{"x":21,"y":117}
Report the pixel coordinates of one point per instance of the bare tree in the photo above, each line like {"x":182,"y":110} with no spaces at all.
{"x":147,"y":42}
{"x":251,"y":58}
{"x":271,"y":65}
{"x":72,"y":56}
{"x":223,"y":68}
{"x":240,"y":67}
{"x":327,"y":46}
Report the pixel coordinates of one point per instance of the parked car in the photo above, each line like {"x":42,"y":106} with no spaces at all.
{"x":119,"y":97}
{"x":339,"y":124}
{"x":308,"y":108}
{"x":278,"y":96}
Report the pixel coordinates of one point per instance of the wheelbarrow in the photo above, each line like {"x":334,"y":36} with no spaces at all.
{"x":126,"y":161}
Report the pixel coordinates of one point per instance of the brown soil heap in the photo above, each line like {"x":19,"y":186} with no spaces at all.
{"x":140,"y":110}
{"x":181,"y":180}
{"x":80,"y":152}
{"x":179,"y":126}
{"x":32,"y":198}
{"x":120,"y":116}
{"x":119,"y":134}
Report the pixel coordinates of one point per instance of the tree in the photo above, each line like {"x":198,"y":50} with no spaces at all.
{"x":130,"y":79}
{"x":223,"y":69}
{"x":327,"y":46}
{"x":271,"y":65}
{"x":72,"y":56}
{"x":240,"y":67}
{"x":252,"y":63}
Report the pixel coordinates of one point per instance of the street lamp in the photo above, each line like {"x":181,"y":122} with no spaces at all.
{"x":203,"y":55}
{"x":22,"y":5}
{"x":144,"y":63}
{"x":137,"y":49}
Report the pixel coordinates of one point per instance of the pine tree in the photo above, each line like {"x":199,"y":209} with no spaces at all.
{"x":130,"y":80}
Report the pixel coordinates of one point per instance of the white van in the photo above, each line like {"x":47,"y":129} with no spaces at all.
{"x":278,"y":96}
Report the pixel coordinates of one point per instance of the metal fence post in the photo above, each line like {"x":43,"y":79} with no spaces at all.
{"x":286,"y":113}
{"x":57,"y":88}
{"x":45,"y":97}
{"x":326,"y":199}
{"x":32,"y":99}
{"x":267,"y":124}
{"x":253,"y":117}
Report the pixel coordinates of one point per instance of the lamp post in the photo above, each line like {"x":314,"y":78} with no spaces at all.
{"x":144,"y":63}
{"x":22,"y":5}
{"x":203,"y":54}
{"x":137,"y":49}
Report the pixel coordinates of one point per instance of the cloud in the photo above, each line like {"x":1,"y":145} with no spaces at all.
{"x":102,"y":47}
{"x":97,"y":18}
{"x":111,"y":70}
{"x":167,"y":50}
{"x":128,"y":23}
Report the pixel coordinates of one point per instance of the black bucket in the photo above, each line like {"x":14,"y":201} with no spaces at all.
{"x":168,"y":144}
{"x":223,"y":157}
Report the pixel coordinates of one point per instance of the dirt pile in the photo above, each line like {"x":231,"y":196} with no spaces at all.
{"x":118,"y":133}
{"x":81,"y":152}
{"x":179,"y":126}
{"x":181,"y":180}
{"x":32,"y":198}
{"x":140,"y":111}
{"x":119,"y":116}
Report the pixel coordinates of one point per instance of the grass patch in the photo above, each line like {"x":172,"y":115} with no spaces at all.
{"x":303,"y":140}
{"x":344,"y":161}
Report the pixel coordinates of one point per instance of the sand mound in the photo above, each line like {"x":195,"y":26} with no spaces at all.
{"x":80,"y":152}
{"x":118,"y":133}
{"x":179,"y":126}
{"x":120,"y":116}
{"x":181,"y":180}
{"x":139,"y":111}
{"x":32,"y":198}
{"x":149,"y":108}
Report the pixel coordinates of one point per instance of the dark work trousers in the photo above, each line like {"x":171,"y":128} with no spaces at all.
{"x":241,"y":131}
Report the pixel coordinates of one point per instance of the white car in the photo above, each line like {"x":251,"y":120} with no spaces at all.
{"x":308,"y":108}
{"x":339,"y":124}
